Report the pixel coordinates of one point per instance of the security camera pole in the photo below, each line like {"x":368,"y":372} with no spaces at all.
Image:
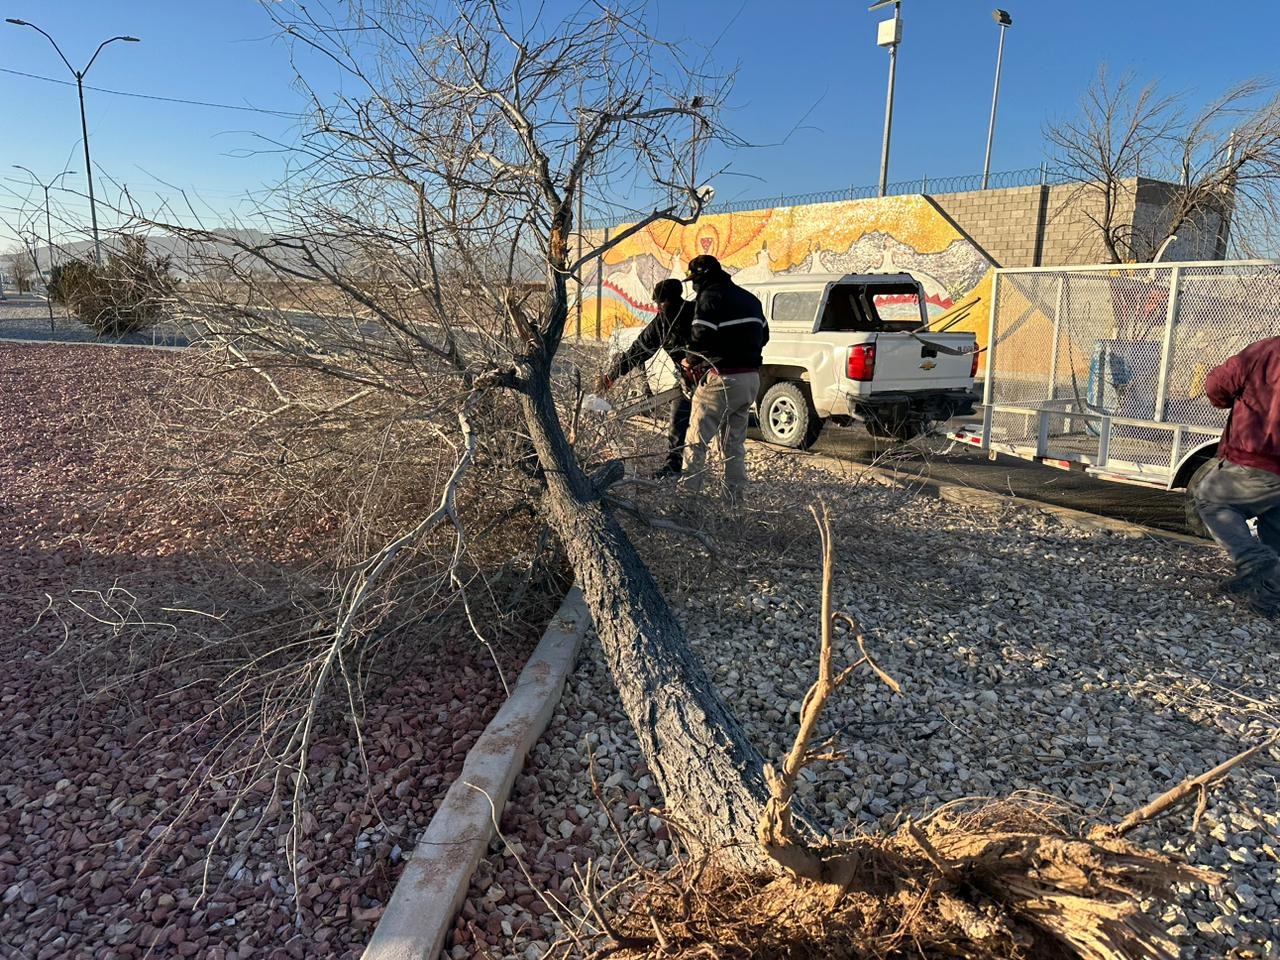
{"x":84,"y":126}
{"x":1005,"y":21}
{"x":888,"y":34}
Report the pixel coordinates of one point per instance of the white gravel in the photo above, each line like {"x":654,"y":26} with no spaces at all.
{"x":1090,"y":667}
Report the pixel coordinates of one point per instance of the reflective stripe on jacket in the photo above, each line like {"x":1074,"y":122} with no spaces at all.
{"x":729,"y":328}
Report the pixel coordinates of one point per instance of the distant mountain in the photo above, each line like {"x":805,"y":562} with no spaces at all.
{"x":188,"y":256}
{"x":194,"y":257}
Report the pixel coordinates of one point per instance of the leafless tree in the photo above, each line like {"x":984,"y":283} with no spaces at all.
{"x":427,"y":240}
{"x":1220,"y":165}
{"x":21,"y":269}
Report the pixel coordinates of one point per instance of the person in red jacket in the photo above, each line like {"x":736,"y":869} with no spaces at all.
{"x":1244,"y":484}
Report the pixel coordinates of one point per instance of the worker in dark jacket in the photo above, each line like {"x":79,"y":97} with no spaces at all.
{"x":729,"y":332}
{"x":669,"y":330}
{"x":1244,"y":484}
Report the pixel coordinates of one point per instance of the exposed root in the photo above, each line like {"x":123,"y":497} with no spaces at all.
{"x":1003,"y":879}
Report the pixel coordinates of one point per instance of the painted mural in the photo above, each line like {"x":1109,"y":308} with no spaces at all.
{"x":884,"y":235}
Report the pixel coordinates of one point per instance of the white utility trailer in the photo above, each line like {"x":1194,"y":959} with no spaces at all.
{"x":1102,"y":368}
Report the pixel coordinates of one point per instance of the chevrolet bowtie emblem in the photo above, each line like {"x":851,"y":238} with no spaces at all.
{"x":928,"y":365}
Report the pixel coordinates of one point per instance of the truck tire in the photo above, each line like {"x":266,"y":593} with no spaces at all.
{"x":1195,"y":525}
{"x":787,"y":416}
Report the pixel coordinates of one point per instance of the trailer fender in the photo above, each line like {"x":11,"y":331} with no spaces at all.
{"x":1192,"y":462}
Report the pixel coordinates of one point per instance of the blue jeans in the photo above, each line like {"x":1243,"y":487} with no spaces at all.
{"x":1229,"y":496}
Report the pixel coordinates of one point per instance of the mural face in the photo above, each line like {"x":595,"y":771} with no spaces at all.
{"x":887,"y":235}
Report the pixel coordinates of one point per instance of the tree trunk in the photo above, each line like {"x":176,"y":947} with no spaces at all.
{"x":709,"y":772}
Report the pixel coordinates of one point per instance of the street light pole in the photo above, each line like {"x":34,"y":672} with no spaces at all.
{"x":48,"y":227}
{"x":889,"y":34}
{"x":84,"y":125}
{"x":1005,"y":21}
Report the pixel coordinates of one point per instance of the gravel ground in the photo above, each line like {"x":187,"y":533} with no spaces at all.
{"x":1096,"y":669}
{"x":92,"y":777}
{"x":26,"y":317}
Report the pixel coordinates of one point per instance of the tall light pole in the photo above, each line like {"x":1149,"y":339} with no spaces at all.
{"x":84,"y":126}
{"x":888,"y":34}
{"x":1005,"y":21}
{"x":48,"y":226}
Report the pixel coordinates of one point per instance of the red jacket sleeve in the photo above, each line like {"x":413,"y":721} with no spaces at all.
{"x":1225,"y":382}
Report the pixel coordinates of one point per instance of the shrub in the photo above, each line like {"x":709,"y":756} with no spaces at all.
{"x":65,"y":278}
{"x":124,"y":295}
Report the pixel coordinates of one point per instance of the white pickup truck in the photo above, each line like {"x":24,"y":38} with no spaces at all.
{"x":848,"y":347}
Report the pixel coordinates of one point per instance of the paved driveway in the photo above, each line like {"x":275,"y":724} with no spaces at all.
{"x":1009,"y":475}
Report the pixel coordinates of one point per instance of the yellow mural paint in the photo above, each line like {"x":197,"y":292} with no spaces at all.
{"x":887,"y":235}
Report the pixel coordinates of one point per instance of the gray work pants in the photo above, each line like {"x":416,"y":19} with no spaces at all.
{"x":1229,"y":496}
{"x":721,"y":406}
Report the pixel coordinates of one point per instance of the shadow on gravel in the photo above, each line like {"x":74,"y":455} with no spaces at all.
{"x":1033,"y":657}
{"x":127,"y":765}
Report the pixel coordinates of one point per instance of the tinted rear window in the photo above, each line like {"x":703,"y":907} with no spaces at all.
{"x":857,"y":308}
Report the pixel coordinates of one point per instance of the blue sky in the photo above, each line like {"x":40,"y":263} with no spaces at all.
{"x":810,"y":89}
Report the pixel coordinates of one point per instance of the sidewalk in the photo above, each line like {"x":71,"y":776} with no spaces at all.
{"x":25,"y":316}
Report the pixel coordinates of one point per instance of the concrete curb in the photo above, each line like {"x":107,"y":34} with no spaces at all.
{"x":990,"y":500}
{"x":435,"y":881}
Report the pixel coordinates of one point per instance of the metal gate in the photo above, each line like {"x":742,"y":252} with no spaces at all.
{"x":1103,"y":367}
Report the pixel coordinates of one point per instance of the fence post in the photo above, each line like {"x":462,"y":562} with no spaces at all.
{"x":1170,"y":340}
{"x":1053,"y":345}
{"x":987,"y":390}
{"x":924,"y":183}
{"x":1044,"y":174}
{"x":1042,"y":434}
{"x":600,"y":284}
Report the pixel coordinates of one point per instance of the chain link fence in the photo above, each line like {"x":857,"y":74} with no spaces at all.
{"x":1107,"y":364}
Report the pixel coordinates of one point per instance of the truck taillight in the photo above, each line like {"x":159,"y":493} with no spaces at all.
{"x":973,"y":364}
{"x":862,"y":361}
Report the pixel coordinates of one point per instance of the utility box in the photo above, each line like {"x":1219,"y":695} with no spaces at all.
{"x":889,"y":32}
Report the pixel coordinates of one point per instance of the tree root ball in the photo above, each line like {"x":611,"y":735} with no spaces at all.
{"x":1006,"y":879}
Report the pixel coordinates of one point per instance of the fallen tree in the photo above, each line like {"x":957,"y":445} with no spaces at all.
{"x":432,"y":251}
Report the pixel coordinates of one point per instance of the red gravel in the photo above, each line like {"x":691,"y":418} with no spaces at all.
{"x":107,"y":825}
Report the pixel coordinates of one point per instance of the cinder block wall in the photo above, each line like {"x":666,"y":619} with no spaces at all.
{"x":1050,"y":226}
{"x":1032,"y":226}
{"x":1204,"y":237}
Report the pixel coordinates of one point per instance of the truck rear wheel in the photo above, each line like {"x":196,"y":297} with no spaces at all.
{"x":787,"y":416}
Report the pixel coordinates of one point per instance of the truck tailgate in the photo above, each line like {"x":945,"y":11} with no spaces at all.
{"x":906,"y":363}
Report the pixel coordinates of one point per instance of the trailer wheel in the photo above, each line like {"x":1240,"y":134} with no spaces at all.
{"x":1194,"y":524}
{"x":788,"y":418}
